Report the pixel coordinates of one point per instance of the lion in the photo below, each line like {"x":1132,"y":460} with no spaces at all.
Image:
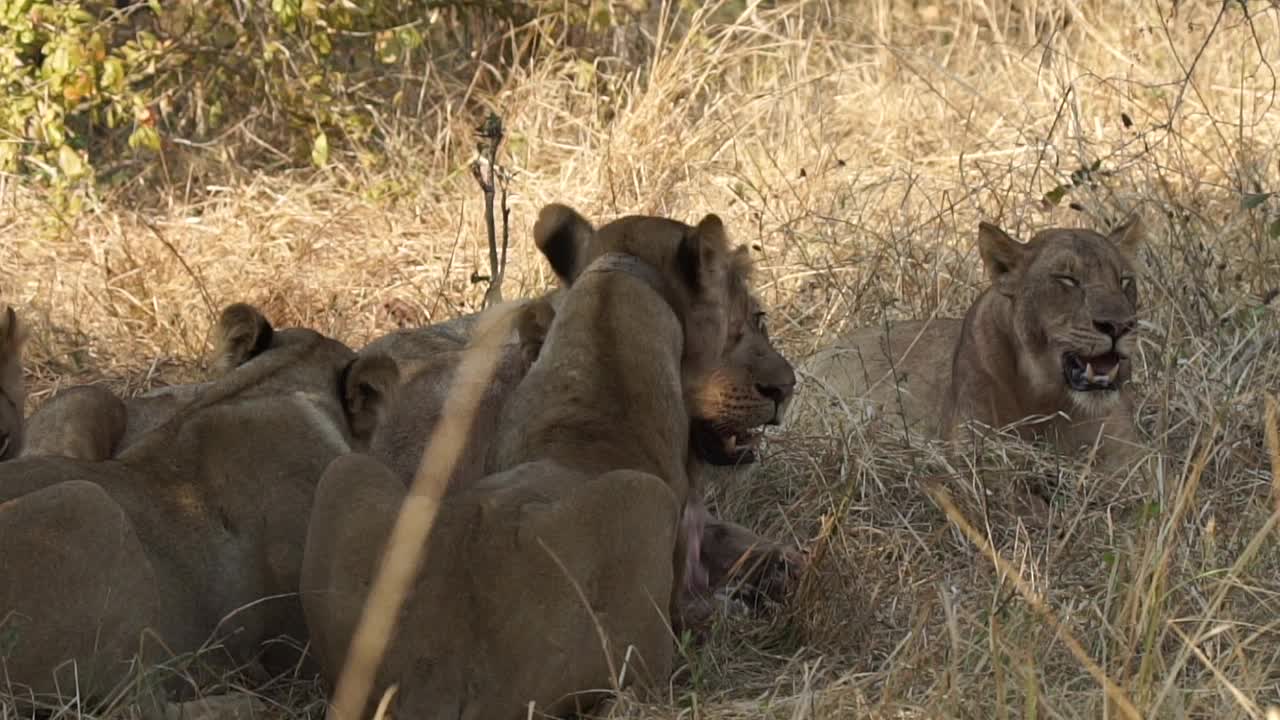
{"x":85,"y":422}
{"x":192,"y":536}
{"x":429,"y":360}
{"x":752,"y":380}
{"x":1045,"y":348}
{"x":89,"y":422}
{"x":13,"y":388}
{"x":579,"y":528}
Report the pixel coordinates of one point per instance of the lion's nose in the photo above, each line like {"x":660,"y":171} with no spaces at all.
{"x":1115,"y":329}
{"x":777,"y":393}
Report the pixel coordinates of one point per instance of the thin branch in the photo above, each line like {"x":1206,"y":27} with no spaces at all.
{"x":490,"y":177}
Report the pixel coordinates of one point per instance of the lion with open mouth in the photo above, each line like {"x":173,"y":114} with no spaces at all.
{"x":1046,"y":348}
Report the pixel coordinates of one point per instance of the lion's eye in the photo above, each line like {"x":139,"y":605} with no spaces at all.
{"x":1067,"y":280}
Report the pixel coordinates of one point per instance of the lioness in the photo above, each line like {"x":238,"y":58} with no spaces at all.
{"x":1050,"y":338}
{"x":750,"y":384}
{"x":13,"y":388}
{"x":193,"y":532}
{"x":578,"y":536}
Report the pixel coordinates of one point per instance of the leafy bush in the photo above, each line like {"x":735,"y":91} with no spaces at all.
{"x":85,"y":84}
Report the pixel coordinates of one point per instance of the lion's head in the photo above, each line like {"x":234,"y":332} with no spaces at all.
{"x":13,"y":389}
{"x":734,"y":380}
{"x":1074,"y":302}
{"x":748,"y":388}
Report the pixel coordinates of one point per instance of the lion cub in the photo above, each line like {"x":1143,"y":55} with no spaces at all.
{"x":1046,"y":347}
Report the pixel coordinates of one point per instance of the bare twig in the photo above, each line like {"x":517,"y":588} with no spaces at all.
{"x":490,"y":177}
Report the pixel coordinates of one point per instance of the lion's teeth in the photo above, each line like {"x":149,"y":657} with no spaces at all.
{"x":1088,"y":371}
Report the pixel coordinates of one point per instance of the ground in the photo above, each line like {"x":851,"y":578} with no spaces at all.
{"x":854,"y":146}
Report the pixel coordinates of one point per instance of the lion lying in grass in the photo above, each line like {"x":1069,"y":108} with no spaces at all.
{"x":1050,"y":339}
{"x":578,"y":534}
{"x":195,"y":533}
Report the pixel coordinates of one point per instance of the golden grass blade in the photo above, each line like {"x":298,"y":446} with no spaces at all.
{"x":1037,"y":603}
{"x":1244,"y":702}
{"x":407,"y":545}
{"x":385,"y":703}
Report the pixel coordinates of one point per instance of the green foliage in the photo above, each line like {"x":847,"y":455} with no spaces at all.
{"x":89,"y":87}
{"x":86,"y":84}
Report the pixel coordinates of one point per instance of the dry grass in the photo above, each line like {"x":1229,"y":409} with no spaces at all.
{"x":855,"y":146}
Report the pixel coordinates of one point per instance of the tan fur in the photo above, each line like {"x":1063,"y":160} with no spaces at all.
{"x":86,"y":422}
{"x":1049,"y":297}
{"x":195,"y":532}
{"x":897,"y":375}
{"x":728,"y":399}
{"x":1054,"y":295}
{"x":429,"y":359}
{"x":590,"y":474}
{"x":89,"y":422}
{"x":13,"y":388}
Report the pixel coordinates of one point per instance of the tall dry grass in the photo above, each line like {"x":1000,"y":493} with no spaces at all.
{"x":854,"y":146}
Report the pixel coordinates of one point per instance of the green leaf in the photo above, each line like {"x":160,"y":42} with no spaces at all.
{"x":388,"y":48}
{"x":112,"y":75}
{"x":53,"y":131}
{"x":320,"y":150}
{"x":1253,"y":200}
{"x":409,"y":38}
{"x":1054,"y":196}
{"x":1274,"y":230}
{"x":145,"y":136}
{"x":320,"y":41}
{"x":58,"y":62}
{"x":70,"y":163}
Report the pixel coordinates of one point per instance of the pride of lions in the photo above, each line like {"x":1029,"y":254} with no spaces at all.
{"x":241,"y":521}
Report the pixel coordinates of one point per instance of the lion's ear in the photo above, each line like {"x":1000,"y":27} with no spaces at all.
{"x":532,"y":328}
{"x":703,"y":255}
{"x":1002,"y":255}
{"x":367,"y":383}
{"x":12,"y":334}
{"x":1129,"y":235}
{"x":241,"y":334}
{"x":562,"y":235}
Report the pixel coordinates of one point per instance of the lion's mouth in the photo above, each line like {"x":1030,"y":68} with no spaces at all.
{"x":1095,"y":373}
{"x":721,"y":446}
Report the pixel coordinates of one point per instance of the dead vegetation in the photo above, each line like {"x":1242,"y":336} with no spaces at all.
{"x":855,"y":146}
